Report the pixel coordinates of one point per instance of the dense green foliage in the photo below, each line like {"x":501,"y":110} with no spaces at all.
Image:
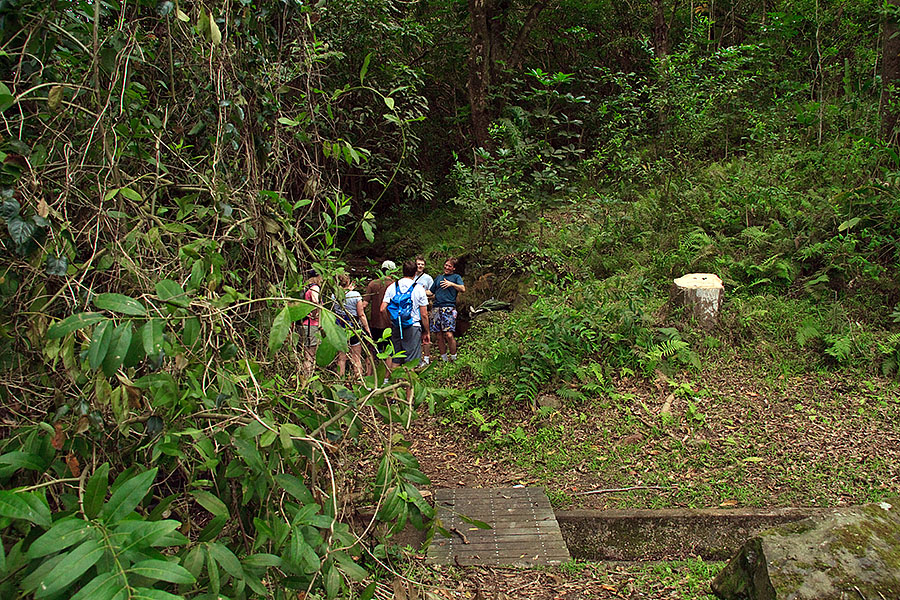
{"x":171,"y":171}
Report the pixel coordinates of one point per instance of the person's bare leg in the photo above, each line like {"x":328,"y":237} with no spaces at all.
{"x":309,"y":360}
{"x":356,"y":359}
{"x":442,"y":344}
{"x":451,"y":342}
{"x":342,"y":363}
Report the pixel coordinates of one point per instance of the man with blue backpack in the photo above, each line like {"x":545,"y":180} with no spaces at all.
{"x":405,"y":305}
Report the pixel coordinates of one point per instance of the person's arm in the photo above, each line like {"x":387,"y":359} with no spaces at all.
{"x":384,"y":312}
{"x":361,"y":313}
{"x":426,"y":330}
{"x":445,"y":283}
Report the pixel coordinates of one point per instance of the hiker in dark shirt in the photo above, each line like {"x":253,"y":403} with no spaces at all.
{"x":443,"y":320}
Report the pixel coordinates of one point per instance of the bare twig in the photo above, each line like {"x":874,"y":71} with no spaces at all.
{"x":624,"y":489}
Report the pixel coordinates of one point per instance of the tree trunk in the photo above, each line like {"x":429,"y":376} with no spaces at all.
{"x":660,"y":30}
{"x":479,"y":71}
{"x":516,"y":53}
{"x":890,"y":79}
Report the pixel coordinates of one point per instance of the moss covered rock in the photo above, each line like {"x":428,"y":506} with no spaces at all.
{"x":846,"y":553}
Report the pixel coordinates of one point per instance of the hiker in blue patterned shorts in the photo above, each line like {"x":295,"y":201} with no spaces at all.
{"x":443,"y":320}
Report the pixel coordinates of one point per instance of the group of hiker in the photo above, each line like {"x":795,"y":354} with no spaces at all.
{"x":391,"y":316}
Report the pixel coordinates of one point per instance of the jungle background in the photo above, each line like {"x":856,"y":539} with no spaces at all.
{"x":171,"y":172}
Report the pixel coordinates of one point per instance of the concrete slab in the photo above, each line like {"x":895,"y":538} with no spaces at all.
{"x":642,"y":535}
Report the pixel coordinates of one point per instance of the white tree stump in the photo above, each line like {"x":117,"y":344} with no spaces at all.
{"x":701,"y":294}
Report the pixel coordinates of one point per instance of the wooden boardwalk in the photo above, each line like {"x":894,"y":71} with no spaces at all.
{"x":523,"y":532}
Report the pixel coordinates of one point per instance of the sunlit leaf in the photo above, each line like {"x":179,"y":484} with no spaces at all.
{"x":215,"y":34}
{"x":54,"y":97}
{"x":365,"y":67}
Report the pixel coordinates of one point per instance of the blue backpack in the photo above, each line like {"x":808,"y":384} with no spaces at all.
{"x":401,"y":306}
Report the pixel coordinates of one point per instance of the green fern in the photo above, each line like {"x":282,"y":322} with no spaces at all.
{"x":890,"y":349}
{"x":571,"y":394}
{"x":808,"y":330}
{"x":840,"y":347}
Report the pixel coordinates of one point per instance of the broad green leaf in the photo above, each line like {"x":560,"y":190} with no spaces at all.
{"x":162,"y":570}
{"x":212,"y":529}
{"x":108,"y":585}
{"x":389,"y":102}
{"x":335,"y":335}
{"x":306,"y":557}
{"x":3,"y":560}
{"x":24,"y":460}
{"x":151,"y":594}
{"x":227,"y":559}
{"x":212,"y":569}
{"x":325,"y":353}
{"x":95,"y":491}
{"x":332,"y":581}
{"x":131,"y":194}
{"x":250,"y":454}
{"x":75,"y":564}
{"x":31,"y":581}
{"x":171,"y":292}
{"x":292,"y":429}
{"x":368,"y":231}
{"x":299,"y":311}
{"x":146,"y":534}
{"x":369,"y":592}
{"x":126,"y":498}
{"x":349,"y":566}
{"x":281,"y":327}
{"x":179,"y":14}
{"x":110,"y":194}
{"x":211,"y":503}
{"x":74,"y":323}
{"x":365,"y":67}
{"x":256,"y":584}
{"x":161,"y":507}
{"x":20,"y":230}
{"x":288,"y":122}
{"x":193,"y":562}
{"x":215,"y":34}
{"x":191,"y":331}
{"x":118,"y":348}
{"x":6,"y":97}
{"x":135,"y":353}
{"x":100,"y":341}
{"x":295,"y":488}
{"x":120,"y":303}
{"x":64,"y":533}
{"x":15,"y":506}
{"x":261,"y":561}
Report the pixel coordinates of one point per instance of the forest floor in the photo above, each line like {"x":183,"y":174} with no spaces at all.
{"x":728,"y":436}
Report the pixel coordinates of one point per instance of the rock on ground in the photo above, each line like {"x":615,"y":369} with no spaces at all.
{"x":846,"y":553}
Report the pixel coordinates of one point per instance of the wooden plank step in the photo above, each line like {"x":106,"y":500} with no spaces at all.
{"x":523,"y":530}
